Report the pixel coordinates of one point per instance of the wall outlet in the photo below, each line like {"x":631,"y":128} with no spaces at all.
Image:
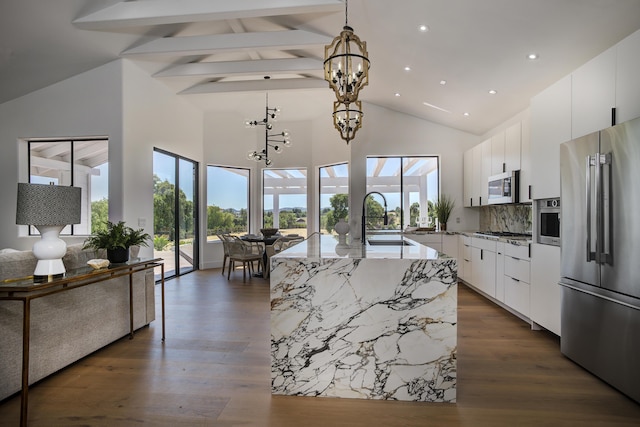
{"x":142,"y":222}
{"x":457,"y":220}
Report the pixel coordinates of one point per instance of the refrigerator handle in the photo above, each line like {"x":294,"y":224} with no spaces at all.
{"x":604,"y":204}
{"x":590,"y":161}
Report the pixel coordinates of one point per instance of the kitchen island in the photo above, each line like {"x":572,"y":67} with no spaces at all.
{"x":364,"y":321}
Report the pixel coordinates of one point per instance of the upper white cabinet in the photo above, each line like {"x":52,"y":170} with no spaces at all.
{"x":593,"y":94}
{"x":485,"y":171}
{"x":525,"y":160}
{"x":628,"y":79}
{"x":467,"y":170}
{"x":550,"y":126}
{"x":498,"y":153}
{"x":513,"y":147}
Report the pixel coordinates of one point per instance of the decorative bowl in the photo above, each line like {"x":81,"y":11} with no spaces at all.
{"x":268,"y":232}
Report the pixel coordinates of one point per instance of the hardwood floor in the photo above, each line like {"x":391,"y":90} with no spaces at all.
{"x":214,"y":370}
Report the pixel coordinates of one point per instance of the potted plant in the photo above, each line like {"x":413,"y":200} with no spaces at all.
{"x":116,"y":238}
{"x":442,"y":209}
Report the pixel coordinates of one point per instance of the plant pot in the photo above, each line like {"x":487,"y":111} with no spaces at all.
{"x":118,"y":255}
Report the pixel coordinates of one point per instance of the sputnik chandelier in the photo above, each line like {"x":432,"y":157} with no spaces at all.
{"x":271,"y":140}
{"x":346,"y":68}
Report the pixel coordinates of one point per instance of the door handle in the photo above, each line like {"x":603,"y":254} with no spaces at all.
{"x":605,"y":238}
{"x":590,"y":161}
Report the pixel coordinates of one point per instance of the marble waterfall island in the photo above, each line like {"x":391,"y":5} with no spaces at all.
{"x":370,"y":322}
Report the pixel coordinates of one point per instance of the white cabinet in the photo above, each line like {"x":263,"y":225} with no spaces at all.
{"x":485,"y":172}
{"x":498,"y":153}
{"x":483,"y":265}
{"x":468,"y":177}
{"x":545,"y":291}
{"x":464,"y":256}
{"x":593,"y":94}
{"x":500,"y":271}
{"x":517,"y":278}
{"x":525,"y":160}
{"x":512,"y":147}
{"x":628,"y":78}
{"x":550,"y":126}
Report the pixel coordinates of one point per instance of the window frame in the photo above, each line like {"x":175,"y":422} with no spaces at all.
{"x":207,"y":204}
{"x":69,"y":230}
{"x":319,"y":211}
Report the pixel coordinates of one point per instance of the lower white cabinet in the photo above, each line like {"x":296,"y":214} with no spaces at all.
{"x":464,"y":258}
{"x":483,"y":265}
{"x":500,"y":271}
{"x":545,"y":290}
{"x":517,"y":278}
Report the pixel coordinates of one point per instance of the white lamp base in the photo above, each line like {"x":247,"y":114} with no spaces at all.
{"x":49,"y":251}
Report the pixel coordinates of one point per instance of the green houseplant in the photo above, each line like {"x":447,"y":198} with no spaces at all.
{"x":442,"y":209}
{"x":116,"y":238}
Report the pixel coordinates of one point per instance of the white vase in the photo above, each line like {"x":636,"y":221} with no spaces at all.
{"x":134,"y":251}
{"x":342,"y":227}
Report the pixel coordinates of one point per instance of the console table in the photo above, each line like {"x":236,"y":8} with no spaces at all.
{"x":26,"y":290}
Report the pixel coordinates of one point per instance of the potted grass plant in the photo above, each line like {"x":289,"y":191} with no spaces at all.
{"x":116,"y":239}
{"x":442,"y":209}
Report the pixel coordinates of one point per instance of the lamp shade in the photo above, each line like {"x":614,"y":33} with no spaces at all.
{"x":42,"y":204}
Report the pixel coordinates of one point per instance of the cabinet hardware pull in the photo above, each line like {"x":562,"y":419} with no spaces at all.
{"x":514,"y":279}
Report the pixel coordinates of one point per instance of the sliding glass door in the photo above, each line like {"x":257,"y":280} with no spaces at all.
{"x":175,"y":205}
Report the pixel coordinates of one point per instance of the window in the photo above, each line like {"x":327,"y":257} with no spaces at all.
{"x":409,"y":184}
{"x":227,"y":200}
{"x":78,"y":162}
{"x":334,"y":195}
{"x":285,"y":200}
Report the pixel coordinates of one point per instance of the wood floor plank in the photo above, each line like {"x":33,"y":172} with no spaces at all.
{"x":214,"y":370}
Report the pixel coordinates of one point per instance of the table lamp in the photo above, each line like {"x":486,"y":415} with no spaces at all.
{"x":49,"y":208}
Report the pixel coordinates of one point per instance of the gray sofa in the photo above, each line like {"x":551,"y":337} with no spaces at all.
{"x":69,"y":325}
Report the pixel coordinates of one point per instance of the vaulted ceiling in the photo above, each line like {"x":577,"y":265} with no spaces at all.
{"x":216,"y":54}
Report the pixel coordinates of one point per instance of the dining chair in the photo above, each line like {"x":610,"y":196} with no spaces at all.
{"x":224,"y":238}
{"x":245,"y":252}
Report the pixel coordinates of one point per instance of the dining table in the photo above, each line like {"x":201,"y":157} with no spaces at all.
{"x":267,"y":241}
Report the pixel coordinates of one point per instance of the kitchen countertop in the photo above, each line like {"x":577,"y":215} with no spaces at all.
{"x":327,"y":246}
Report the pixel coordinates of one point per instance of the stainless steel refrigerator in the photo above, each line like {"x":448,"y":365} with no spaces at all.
{"x":600,"y":226}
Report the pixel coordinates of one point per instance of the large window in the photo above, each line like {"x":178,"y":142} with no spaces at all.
{"x":409,"y":184}
{"x":227,"y":200}
{"x":285,"y":200}
{"x":78,"y":162}
{"x":334,"y":195}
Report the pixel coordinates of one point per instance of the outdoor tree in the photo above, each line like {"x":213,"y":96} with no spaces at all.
{"x":339,"y":210}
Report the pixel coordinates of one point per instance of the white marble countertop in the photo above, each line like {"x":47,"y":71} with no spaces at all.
{"x":327,"y":246}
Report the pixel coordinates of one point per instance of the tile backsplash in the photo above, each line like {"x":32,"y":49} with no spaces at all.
{"x":512,"y":218}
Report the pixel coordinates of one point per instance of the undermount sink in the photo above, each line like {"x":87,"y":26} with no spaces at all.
{"x":381,"y":242}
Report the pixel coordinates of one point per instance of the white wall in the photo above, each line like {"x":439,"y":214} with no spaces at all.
{"x":154,"y":117}
{"x":88,"y":104}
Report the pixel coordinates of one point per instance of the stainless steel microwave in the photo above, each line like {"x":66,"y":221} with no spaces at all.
{"x":504,"y":188}
{"x":548,"y":227}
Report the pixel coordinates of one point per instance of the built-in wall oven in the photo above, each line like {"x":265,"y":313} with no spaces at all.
{"x":548,"y":222}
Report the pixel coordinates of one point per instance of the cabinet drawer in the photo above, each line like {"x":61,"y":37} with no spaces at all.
{"x":517,"y":269}
{"x":517,"y":251}
{"x":516,"y":295}
{"x":488,"y":245}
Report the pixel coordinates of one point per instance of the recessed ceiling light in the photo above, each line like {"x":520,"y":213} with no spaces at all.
{"x":466,"y":114}
{"x":423,"y":28}
{"x":532,"y":56}
{"x":492,"y":92}
{"x":397,"y":94}
{"x":407,"y":68}
{"x":443,"y":82}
